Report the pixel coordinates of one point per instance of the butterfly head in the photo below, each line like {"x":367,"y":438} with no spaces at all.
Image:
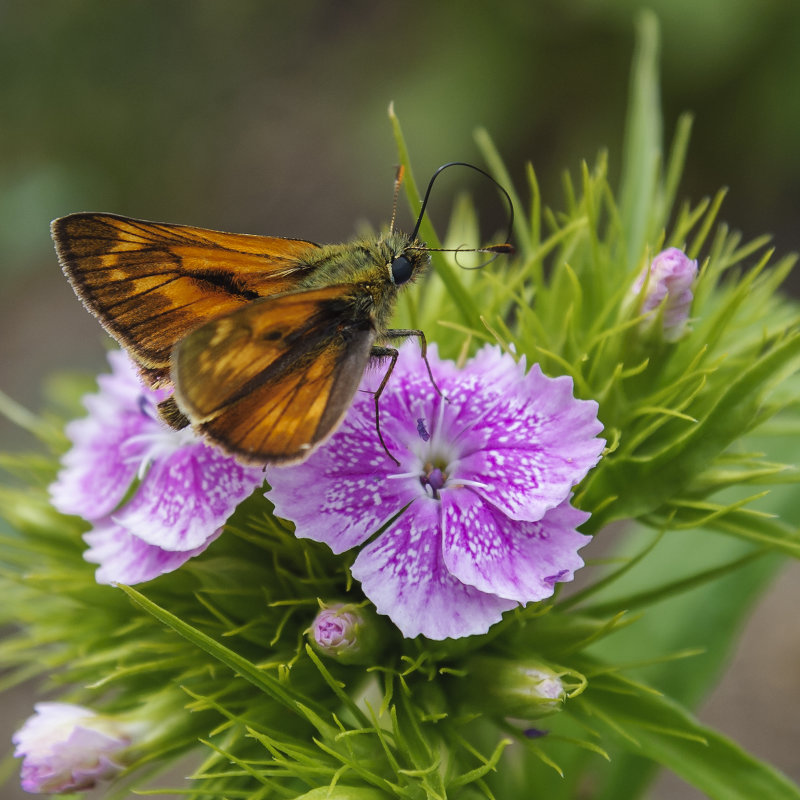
{"x":408,"y":260}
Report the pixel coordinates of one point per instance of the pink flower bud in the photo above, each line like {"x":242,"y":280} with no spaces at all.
{"x":67,"y":748}
{"x":346,"y":632}
{"x":667,"y":285}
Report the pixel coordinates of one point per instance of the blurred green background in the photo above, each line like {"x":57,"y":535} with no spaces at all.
{"x":268,"y":117}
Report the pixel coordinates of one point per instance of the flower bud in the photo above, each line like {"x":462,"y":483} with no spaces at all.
{"x":664,"y":290}
{"x":346,"y":632}
{"x":67,"y":748}
{"x":525,"y":689}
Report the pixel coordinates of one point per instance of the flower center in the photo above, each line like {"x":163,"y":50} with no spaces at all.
{"x":434,"y":477}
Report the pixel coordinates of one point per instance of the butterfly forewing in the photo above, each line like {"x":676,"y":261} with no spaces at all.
{"x":150,"y":283}
{"x":269,"y":381}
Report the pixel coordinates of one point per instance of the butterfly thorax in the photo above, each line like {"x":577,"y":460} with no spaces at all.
{"x":375,"y":267}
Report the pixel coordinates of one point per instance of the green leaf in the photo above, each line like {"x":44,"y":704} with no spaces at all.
{"x":673,"y":623}
{"x":662,"y":730}
{"x":240,"y":665}
{"x":643,"y":146}
{"x":498,"y":169}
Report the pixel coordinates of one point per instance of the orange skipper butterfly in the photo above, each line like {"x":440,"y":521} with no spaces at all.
{"x":264,"y":339}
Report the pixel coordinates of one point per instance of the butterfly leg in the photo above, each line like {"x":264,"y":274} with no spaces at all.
{"x":398,"y":333}
{"x":392,"y":353}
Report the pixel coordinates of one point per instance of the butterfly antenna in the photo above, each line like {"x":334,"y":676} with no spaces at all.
{"x":495,"y":249}
{"x":398,"y":180}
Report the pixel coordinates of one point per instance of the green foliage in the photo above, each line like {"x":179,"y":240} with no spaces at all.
{"x":672,"y":412}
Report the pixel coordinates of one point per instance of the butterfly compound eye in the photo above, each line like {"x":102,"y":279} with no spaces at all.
{"x":402,"y":270}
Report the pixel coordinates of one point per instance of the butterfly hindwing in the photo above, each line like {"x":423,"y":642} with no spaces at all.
{"x":150,"y":284}
{"x":269,"y":381}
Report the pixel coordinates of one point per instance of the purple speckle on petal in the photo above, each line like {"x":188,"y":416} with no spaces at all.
{"x":557,"y":577}
{"x":422,"y":430}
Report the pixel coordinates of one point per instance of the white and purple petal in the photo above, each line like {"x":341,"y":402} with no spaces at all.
{"x":68,"y":748}
{"x":124,"y":558}
{"x":403,"y":574}
{"x":495,"y":369}
{"x":186,"y":496}
{"x":342,"y":493}
{"x":97,"y":472}
{"x":530,"y":446}
{"x":514,"y":559}
{"x":186,"y":491}
{"x":105,"y":456}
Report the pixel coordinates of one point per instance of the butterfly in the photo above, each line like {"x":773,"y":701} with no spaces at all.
{"x":264,"y":339}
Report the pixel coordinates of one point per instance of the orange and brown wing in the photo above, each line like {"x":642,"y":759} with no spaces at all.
{"x":271,"y":380}
{"x":151,"y":283}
